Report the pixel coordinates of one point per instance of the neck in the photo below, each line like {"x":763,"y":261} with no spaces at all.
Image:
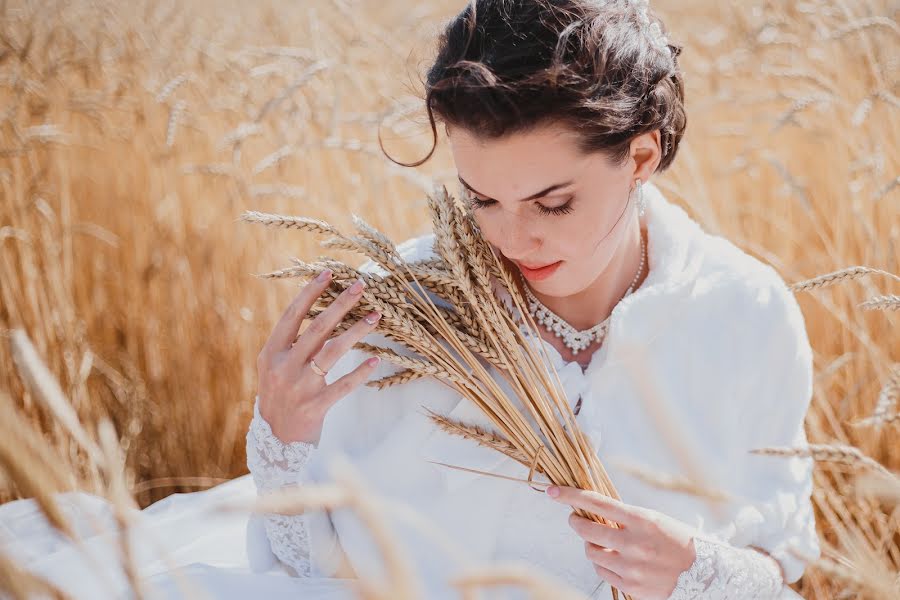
{"x":595,"y":303}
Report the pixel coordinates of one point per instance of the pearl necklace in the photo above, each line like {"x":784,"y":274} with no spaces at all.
{"x":573,"y":339}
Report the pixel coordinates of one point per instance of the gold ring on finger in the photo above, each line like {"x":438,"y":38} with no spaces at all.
{"x":316,"y":368}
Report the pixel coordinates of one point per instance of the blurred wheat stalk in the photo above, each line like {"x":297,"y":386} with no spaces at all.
{"x":130,"y":141}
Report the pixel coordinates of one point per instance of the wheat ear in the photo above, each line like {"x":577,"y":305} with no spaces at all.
{"x":837,"y":277}
{"x":889,"y":302}
{"x":887,"y":400}
{"x":288,"y":222}
{"x":832,"y":453}
{"x":481,"y":436}
{"x":398,"y":378}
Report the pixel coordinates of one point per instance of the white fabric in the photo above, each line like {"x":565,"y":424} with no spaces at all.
{"x":275,"y":465}
{"x":181,"y":549}
{"x":723,"y":572}
{"x":707,"y":360}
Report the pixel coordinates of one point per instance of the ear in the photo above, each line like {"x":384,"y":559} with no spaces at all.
{"x":646,"y":152}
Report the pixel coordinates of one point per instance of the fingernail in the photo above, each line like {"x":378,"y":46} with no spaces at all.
{"x":372,"y":317}
{"x":324,"y":275}
{"x":553,"y":491}
{"x":373,"y":362}
{"x":357,"y":287}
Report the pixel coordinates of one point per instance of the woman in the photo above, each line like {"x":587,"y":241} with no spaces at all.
{"x":680,"y":352}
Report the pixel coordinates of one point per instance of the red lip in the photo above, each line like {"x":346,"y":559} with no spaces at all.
{"x":541,"y":273}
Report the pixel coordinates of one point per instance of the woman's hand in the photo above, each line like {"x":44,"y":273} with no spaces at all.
{"x":644,"y":557}
{"x":293,"y":397}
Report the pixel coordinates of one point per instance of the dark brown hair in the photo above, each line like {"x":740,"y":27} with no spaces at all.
{"x":509,"y":66}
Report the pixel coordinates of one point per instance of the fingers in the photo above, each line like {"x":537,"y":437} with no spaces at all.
{"x":596,"y":503}
{"x":336,"y":348}
{"x":609,"y":577}
{"x":285,"y":330}
{"x":598,"y":533}
{"x":608,"y":559}
{"x":343,"y":386}
{"x":321,"y":328}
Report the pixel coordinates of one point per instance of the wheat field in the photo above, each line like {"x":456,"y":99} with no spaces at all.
{"x":132,"y":137}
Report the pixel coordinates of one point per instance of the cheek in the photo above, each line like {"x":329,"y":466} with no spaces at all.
{"x":487,"y":226}
{"x":497,"y":228}
{"x":560,"y":237}
{"x":573,"y":238}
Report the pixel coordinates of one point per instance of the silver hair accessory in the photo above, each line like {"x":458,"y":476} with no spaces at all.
{"x":653,"y":30}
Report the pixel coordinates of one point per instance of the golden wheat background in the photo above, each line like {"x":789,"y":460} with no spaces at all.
{"x":133,"y":135}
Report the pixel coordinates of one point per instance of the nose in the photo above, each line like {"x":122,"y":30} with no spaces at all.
{"x":517,"y":237}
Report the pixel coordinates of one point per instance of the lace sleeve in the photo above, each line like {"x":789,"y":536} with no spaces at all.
{"x":724,"y":572}
{"x":273,"y":465}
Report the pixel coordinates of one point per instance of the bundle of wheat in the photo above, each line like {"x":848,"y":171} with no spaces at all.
{"x":460,"y":344}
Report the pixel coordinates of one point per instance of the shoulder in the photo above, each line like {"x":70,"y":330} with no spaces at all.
{"x":730,"y":326}
{"x":755,"y":328}
{"x":708,"y":288}
{"x":749,"y":296}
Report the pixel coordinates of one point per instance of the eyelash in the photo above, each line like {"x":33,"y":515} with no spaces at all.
{"x":557,"y":210}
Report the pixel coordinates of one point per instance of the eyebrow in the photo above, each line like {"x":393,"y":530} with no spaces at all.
{"x":540,"y":194}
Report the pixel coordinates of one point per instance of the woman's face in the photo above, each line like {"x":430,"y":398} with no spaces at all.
{"x":578,"y":218}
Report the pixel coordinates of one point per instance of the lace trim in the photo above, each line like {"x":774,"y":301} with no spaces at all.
{"x":274,"y":465}
{"x":723,"y":572}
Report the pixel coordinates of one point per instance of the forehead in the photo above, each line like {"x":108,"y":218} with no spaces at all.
{"x":518,"y":162}
{"x":545,"y":149}
{"x":542,"y":141}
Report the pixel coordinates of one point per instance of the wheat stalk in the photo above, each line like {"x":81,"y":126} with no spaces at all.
{"x":887,"y":400}
{"x":479,"y":435}
{"x":16,"y":582}
{"x":888,"y":302}
{"x":45,"y":388}
{"x":673,"y":483}
{"x":27,"y":461}
{"x":836,"y":277}
{"x":519,"y":575}
{"x":399,"y":378}
{"x":832,"y":453}
{"x":288,"y":222}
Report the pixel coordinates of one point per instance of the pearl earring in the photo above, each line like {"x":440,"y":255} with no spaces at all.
{"x":641,"y":204}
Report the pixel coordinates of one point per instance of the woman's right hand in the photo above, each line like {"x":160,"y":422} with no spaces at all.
{"x":293,"y":398}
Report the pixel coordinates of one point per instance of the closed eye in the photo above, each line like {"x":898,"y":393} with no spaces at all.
{"x":546,"y":210}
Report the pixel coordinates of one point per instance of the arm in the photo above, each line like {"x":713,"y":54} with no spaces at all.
{"x":721,"y":571}
{"x":655,"y":556}
{"x":762,"y":397}
{"x":775,"y":524}
{"x":274,"y":465}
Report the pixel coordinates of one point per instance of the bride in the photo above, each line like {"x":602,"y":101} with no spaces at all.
{"x":679,"y":353}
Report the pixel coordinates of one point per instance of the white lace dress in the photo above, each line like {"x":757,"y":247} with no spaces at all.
{"x":275,"y":465}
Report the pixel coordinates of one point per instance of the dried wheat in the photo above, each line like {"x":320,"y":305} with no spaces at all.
{"x":833,"y":453}
{"x":889,"y":302}
{"x":837,"y":277}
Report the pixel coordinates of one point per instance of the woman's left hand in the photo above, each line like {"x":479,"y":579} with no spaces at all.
{"x":644,"y":557}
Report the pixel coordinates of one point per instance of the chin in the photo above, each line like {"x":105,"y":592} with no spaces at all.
{"x":558,"y":285}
